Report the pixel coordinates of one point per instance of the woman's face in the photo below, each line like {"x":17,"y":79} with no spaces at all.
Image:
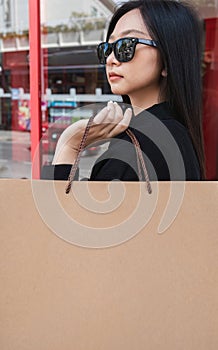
{"x":140,"y":77}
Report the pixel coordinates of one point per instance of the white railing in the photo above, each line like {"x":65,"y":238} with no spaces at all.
{"x":19,"y":94}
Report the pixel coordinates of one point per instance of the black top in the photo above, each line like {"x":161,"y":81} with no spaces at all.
{"x":166,"y":145}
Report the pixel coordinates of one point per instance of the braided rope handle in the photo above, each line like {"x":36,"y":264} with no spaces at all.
{"x":139,"y":156}
{"x":140,"y":160}
{"x":81,"y":148}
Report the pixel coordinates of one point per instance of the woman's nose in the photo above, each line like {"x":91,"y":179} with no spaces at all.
{"x":111,"y":59}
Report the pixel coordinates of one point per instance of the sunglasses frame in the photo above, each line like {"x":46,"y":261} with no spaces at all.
{"x":112,"y":48}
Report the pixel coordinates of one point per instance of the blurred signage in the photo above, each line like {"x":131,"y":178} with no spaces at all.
{"x":63,"y":104}
{"x":7,"y":13}
{"x":15,"y":94}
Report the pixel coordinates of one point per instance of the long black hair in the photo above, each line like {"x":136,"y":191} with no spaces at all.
{"x":178,"y":31}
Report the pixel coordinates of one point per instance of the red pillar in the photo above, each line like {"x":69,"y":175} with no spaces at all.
{"x":210,"y":111}
{"x":35,"y":85}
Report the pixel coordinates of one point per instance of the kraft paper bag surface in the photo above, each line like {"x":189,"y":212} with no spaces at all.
{"x":108,"y":266}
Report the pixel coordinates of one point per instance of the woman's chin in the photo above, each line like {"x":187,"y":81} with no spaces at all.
{"x":116,"y":91}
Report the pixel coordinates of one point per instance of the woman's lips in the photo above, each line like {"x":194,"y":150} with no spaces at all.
{"x":114,"y":77}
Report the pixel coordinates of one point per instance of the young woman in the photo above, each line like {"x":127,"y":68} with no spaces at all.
{"x":152,"y":56}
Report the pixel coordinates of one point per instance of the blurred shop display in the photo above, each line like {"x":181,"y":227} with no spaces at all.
{"x":24,"y":115}
{"x":58,"y":112}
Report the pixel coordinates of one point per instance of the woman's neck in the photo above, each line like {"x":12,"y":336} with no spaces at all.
{"x":145,"y":100}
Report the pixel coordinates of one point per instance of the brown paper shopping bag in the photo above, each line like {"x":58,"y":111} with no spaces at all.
{"x":97,"y":275}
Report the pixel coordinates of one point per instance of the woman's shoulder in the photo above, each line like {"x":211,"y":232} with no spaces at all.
{"x":160,"y":133}
{"x":160,"y":119}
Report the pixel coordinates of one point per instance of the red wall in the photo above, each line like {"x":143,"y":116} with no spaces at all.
{"x":210,"y":98}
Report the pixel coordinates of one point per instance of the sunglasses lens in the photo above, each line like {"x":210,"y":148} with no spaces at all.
{"x":124,"y":50}
{"x":104,"y":50}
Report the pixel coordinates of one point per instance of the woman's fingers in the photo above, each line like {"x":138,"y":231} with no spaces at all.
{"x":118,"y":113}
{"x":123,"y":124}
{"x":111,"y":114}
{"x":106,"y":115}
{"x":101,"y":116}
{"x":109,"y":122}
{"x":126,"y":118}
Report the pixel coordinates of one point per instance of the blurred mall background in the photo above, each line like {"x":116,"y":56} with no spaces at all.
{"x":71,"y":77}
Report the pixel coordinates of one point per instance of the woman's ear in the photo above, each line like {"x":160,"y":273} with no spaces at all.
{"x":164,"y":73}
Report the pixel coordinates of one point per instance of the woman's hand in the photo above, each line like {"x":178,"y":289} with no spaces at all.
{"x":109,"y":122}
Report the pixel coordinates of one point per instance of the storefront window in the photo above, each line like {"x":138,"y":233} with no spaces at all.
{"x":72,"y":76}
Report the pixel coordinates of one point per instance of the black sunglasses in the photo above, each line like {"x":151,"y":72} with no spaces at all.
{"x":124,"y":49}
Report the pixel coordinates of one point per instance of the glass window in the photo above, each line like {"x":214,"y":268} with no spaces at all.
{"x":73,"y":77}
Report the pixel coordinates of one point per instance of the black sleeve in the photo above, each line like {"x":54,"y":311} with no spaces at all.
{"x":113,"y":169}
{"x":119,"y":162}
{"x":57,"y":172}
